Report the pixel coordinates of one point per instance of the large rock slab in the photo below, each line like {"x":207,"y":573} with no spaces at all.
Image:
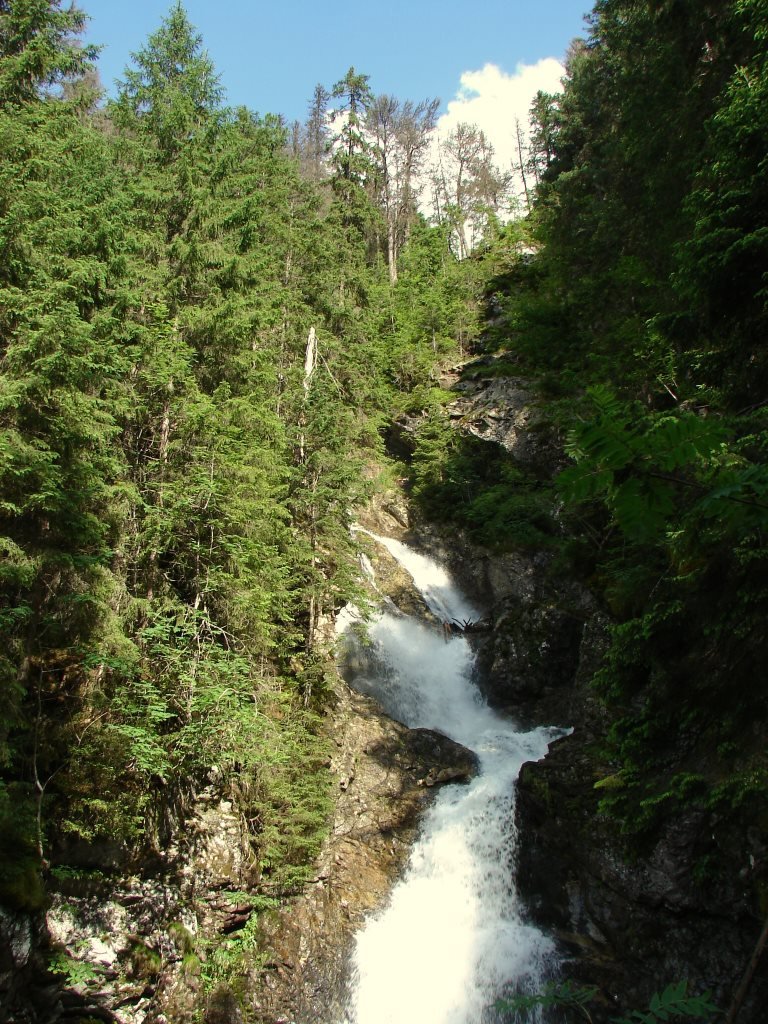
{"x":505,"y":410}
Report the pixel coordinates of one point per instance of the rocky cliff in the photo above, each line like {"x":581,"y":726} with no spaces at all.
{"x":629,"y":920}
{"x":142,"y":948}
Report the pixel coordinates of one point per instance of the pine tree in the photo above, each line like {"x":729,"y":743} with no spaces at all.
{"x":173,"y":95}
{"x":62,"y":234}
{"x":317,"y":142}
{"x":39,"y":47}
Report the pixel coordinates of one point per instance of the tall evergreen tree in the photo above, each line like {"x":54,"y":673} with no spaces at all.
{"x":352,"y":152}
{"x":173,"y":94}
{"x":62,"y":234}
{"x":317,"y":133}
{"x":39,"y":47}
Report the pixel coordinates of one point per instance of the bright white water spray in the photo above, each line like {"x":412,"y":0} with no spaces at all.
{"x":451,"y":939}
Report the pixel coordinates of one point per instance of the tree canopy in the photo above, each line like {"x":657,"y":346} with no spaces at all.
{"x":176,"y":493}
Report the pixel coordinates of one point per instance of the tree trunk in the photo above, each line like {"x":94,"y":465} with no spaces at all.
{"x":392,"y":252}
{"x":310,"y":362}
{"x":522,"y":165}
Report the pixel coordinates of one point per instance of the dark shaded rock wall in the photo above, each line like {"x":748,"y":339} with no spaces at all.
{"x":632,"y":921}
{"x":628,"y":919}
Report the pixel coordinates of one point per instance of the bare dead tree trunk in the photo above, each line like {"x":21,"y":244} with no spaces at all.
{"x":310,"y":360}
{"x":310,"y":363}
{"x":165,"y":428}
{"x":519,"y":134}
{"x":165,"y":436}
{"x":392,"y":252}
{"x":40,"y":786}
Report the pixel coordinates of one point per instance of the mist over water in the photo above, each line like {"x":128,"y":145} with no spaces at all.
{"x":451,"y":938}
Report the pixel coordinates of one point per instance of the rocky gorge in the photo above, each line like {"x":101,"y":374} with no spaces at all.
{"x":137,"y":948}
{"x":629,"y":920}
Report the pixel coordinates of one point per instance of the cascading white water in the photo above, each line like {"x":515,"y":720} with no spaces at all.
{"x":451,"y":938}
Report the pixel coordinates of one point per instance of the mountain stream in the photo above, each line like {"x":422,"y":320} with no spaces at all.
{"x":451,"y":940}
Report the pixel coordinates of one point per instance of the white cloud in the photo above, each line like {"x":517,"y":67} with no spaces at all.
{"x":492,"y":99}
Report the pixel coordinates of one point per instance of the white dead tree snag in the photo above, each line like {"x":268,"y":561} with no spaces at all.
{"x":310,"y":363}
{"x":310,"y":360}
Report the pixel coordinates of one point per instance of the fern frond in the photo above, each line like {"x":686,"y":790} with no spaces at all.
{"x":605,"y":401}
{"x":677,"y":441}
{"x":672,"y":1004}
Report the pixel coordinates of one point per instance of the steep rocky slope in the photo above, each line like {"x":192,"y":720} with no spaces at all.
{"x":629,"y":920}
{"x":189,"y":934}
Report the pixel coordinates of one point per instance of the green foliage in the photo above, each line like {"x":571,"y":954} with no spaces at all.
{"x":720,"y":273}
{"x":145,"y":962}
{"x":227,"y":958}
{"x":173,"y":92}
{"x":562,"y":994}
{"x":182,"y":937}
{"x":674,"y":1003}
{"x":39,"y":47}
{"x":639,"y":309}
{"x":617,"y":165}
{"x":671,"y":1004}
{"x":75,"y":972}
{"x":645,"y":467}
{"x":176,"y":495}
{"x":431,"y":314}
{"x":477,"y":485}
{"x":686,"y":512}
{"x":291,"y":802}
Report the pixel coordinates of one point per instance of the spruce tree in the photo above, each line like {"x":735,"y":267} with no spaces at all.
{"x":62,"y":233}
{"x":39,"y":47}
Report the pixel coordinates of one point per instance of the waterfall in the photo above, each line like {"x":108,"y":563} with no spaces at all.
{"x":451,"y":939}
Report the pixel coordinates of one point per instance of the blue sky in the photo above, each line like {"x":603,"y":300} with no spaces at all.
{"x":271,"y":55}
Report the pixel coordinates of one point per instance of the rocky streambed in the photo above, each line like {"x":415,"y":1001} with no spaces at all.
{"x":386,"y":774}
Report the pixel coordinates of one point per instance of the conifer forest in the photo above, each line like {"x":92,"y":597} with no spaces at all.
{"x":222,"y":336}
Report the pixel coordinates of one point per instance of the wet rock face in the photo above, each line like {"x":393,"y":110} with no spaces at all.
{"x":631,"y":923}
{"x":528,"y":659}
{"x":527,"y":664}
{"x":396,"y":585}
